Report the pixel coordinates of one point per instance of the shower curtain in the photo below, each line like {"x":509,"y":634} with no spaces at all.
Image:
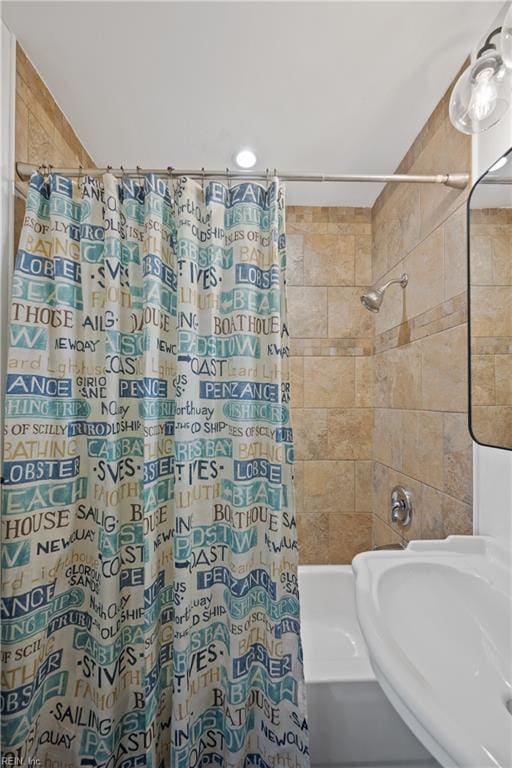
{"x":150,"y":612}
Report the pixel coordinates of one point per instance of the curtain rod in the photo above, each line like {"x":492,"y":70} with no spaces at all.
{"x":455,"y":180}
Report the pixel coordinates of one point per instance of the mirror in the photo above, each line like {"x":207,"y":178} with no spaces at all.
{"x":490,"y":306}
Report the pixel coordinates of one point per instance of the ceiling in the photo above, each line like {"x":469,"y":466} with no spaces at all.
{"x":335,"y":87}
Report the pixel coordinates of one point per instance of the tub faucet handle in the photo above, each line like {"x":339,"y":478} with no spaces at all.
{"x":401,"y":506}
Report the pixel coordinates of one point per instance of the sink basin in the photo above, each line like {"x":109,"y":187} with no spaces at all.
{"x":436,"y":618}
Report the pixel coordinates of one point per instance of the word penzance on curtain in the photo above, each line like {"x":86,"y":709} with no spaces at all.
{"x":150,"y":609}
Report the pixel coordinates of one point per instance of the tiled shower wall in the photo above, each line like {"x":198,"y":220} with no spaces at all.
{"x":421,"y":438}
{"x":329,"y":265}
{"x":419,"y":401}
{"x":43,"y":134}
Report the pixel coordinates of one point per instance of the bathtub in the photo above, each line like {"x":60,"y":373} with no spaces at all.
{"x":351,"y":722}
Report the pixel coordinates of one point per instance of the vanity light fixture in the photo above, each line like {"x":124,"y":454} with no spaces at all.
{"x":245,"y":158}
{"x":483,"y":93}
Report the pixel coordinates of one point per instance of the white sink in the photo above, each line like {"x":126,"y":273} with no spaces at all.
{"x":436,"y":618}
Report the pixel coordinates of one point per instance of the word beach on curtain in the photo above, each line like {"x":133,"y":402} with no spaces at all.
{"x":150,"y":613}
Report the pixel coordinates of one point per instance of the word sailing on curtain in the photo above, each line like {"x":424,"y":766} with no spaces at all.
{"x":150,"y":613}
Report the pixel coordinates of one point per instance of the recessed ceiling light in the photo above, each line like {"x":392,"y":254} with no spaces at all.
{"x":498,"y":164}
{"x":245,"y":158}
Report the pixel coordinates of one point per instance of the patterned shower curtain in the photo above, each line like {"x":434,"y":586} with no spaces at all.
{"x":150,"y":612}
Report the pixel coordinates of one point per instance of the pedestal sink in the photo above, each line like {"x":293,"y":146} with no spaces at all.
{"x":436,"y":618}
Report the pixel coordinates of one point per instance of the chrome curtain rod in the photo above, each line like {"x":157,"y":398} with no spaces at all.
{"x":455,"y":180}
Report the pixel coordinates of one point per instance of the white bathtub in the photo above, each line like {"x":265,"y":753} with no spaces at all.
{"x":351,"y":721}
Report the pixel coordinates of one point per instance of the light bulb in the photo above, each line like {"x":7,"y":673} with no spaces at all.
{"x":245,"y":158}
{"x":484,"y":96}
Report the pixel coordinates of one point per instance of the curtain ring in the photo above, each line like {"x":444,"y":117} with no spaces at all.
{"x":228,"y":178}
{"x":170,"y":170}
{"x":266,"y":176}
{"x":139,"y":172}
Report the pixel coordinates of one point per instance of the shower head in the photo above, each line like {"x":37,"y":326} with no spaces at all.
{"x":372,"y":299}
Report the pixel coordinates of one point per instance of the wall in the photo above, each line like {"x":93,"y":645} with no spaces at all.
{"x":421,"y":438}
{"x":43,"y":135}
{"x":329,"y":266}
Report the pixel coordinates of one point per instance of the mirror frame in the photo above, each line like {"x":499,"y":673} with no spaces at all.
{"x":468,"y":274}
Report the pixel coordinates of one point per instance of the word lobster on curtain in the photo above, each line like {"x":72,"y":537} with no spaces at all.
{"x":150,"y":612}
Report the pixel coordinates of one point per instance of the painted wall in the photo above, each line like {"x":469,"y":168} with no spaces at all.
{"x":329,"y":257}
{"x":421,"y":438}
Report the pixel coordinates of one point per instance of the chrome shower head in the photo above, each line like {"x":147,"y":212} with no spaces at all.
{"x":372,"y":299}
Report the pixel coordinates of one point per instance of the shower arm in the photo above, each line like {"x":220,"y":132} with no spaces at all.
{"x":400,"y":280}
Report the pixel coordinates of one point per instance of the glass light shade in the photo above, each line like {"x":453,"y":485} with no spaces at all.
{"x":506,"y":39}
{"x":481,"y":95}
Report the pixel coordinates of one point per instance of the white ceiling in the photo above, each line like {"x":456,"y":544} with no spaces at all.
{"x":337,"y":87}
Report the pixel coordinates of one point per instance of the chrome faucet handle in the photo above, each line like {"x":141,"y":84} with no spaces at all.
{"x":401,"y":506}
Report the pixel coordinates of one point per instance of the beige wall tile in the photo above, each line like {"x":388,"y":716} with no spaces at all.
{"x":458,"y":457}
{"x":503,"y":367}
{"x":364,"y":486}
{"x":363,"y":260}
{"x":398,"y":377}
{"x":426,"y":274}
{"x":21,"y":129}
{"x":310,"y":433}
{"x":481,"y":258}
{"x":298,"y":486}
{"x":388,"y":437}
{"x":297,"y":381}
{"x":349,"y":534}
{"x":502,"y":257}
{"x":329,"y":486}
{"x":443,"y":515}
{"x":350,"y":433}
{"x":329,"y":381}
{"x":423,"y":445}
{"x":483,"y":381}
{"x":383,"y":534}
{"x":364,"y":384}
{"x":295,"y":259}
{"x":492,"y":424}
{"x":491,"y":310}
{"x":329,"y":260}
{"x":40,"y":147}
{"x":313,"y":537}
{"x":455,"y":254}
{"x":347,"y":316}
{"x":307,"y":312}
{"x":444,"y":370}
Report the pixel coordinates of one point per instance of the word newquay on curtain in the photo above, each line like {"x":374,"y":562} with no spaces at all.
{"x":150,"y":612}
